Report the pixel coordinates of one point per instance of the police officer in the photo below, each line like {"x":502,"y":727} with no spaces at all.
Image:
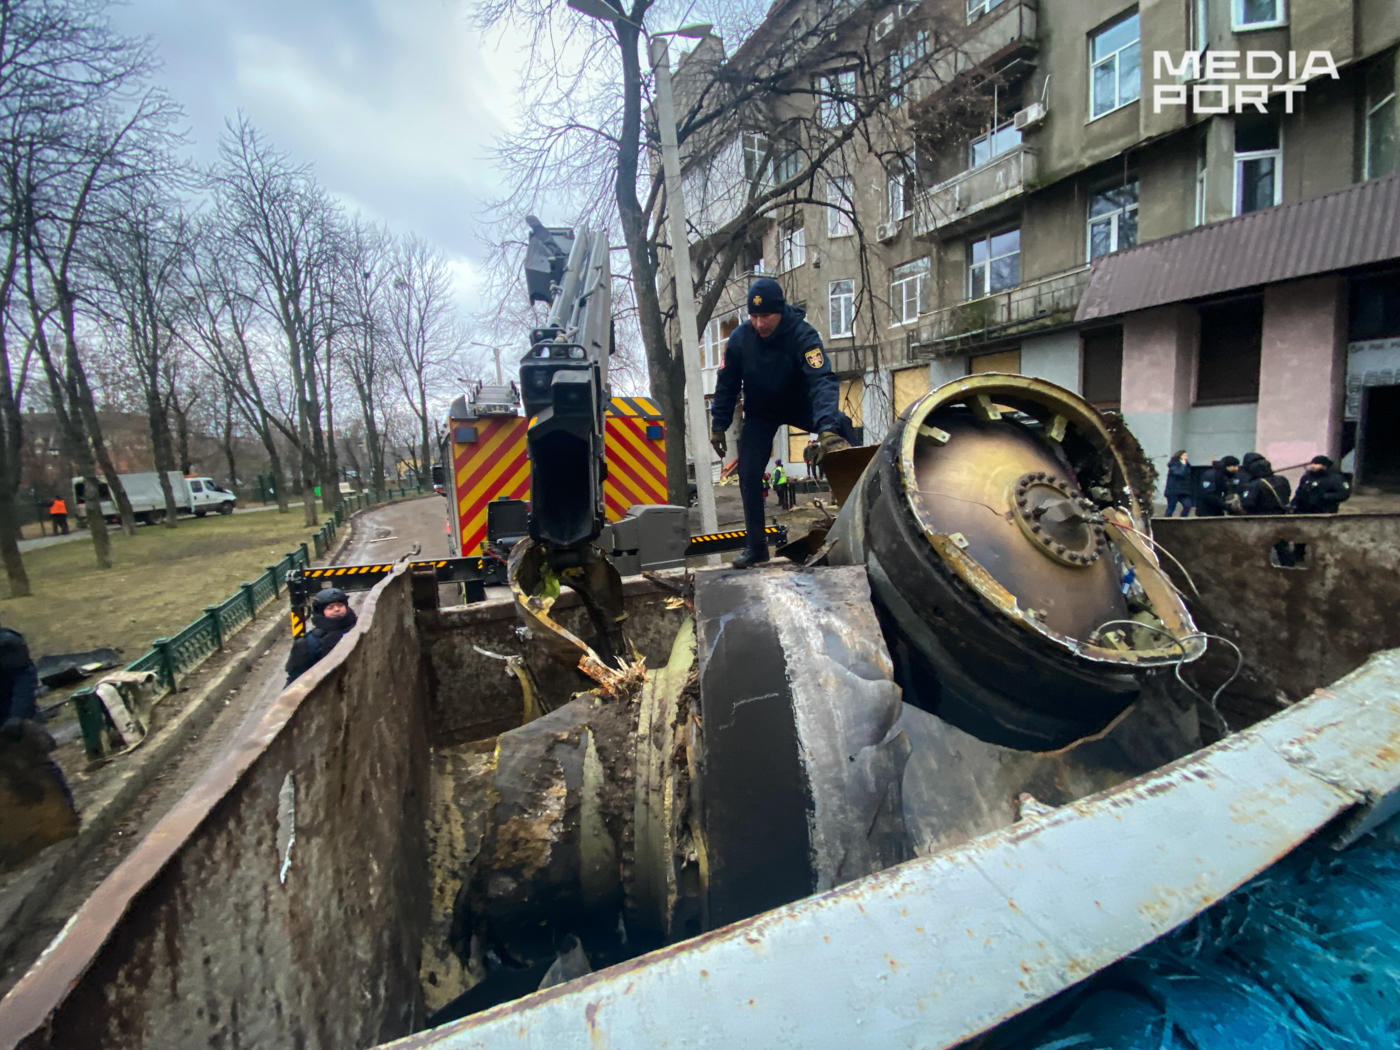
{"x":776,"y":359}
{"x":1321,"y":489}
{"x":331,"y":617}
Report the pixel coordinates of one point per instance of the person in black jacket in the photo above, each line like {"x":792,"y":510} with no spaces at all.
{"x":776,"y":360}
{"x":1321,"y":489}
{"x":1217,"y":482}
{"x":19,"y":679}
{"x":331,"y":617}
{"x":1179,"y":484}
{"x":1265,"y":492}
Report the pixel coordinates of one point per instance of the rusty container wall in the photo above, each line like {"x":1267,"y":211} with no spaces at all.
{"x":470,"y":696}
{"x":1299,"y":628}
{"x":197,"y":940}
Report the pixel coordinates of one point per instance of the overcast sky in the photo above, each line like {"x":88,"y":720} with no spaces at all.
{"x":395,"y":102}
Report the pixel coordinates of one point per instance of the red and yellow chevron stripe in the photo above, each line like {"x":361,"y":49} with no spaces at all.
{"x":494,"y":465}
{"x":636,"y":462}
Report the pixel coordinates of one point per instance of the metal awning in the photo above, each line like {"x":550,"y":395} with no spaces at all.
{"x":1357,"y":226}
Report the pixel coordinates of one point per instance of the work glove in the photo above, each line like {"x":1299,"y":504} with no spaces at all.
{"x":719,"y":443}
{"x":830,"y":441}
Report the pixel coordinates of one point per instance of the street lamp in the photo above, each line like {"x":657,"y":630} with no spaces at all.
{"x":496,"y":351}
{"x":697,"y":423}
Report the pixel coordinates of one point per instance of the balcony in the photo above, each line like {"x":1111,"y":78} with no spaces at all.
{"x":1000,"y":40}
{"x":948,"y":206}
{"x":1043,"y":303}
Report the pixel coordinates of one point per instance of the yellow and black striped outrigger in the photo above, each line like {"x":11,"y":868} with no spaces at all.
{"x":467,"y":571}
{"x":303,"y":584}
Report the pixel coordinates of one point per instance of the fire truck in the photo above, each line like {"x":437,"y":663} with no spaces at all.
{"x":487,"y":480}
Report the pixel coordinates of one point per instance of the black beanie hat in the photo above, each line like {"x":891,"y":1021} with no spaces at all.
{"x":1229,"y":461}
{"x":1323,"y":461}
{"x":766,"y":297}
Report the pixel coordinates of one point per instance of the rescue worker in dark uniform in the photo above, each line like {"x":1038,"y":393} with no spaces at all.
{"x":1216,"y":484}
{"x":1265,"y":492}
{"x":1321,"y":489}
{"x":331,"y":617}
{"x":19,"y":679}
{"x":776,"y":359}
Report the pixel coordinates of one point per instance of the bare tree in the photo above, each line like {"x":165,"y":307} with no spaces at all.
{"x":419,"y":316}
{"x":139,"y":255}
{"x":367,"y":353}
{"x":283,"y":225}
{"x":221,"y":329}
{"x":811,"y":85}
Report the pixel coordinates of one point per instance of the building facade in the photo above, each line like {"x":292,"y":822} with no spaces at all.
{"x":1084,"y":132}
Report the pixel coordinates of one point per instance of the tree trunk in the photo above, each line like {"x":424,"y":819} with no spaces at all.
{"x":160,"y":447}
{"x":332,"y":482}
{"x":80,"y":397}
{"x":227,"y":443}
{"x":9,"y":549}
{"x":667,"y":373}
{"x":97,"y":524}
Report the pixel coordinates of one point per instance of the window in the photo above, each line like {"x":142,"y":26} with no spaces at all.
{"x":755,"y":158}
{"x":1379,"y":145}
{"x":196,"y":487}
{"x":904,"y":62}
{"x":1113,"y":214}
{"x":1200,"y":24}
{"x":1375,"y":307}
{"x":792,"y":246}
{"x":787,"y":166}
{"x":995,"y":143}
{"x":841,"y":301}
{"x":1008,"y":361}
{"x":909,"y":384}
{"x":901,"y":186}
{"x":1114,"y":68}
{"x":1227,"y":368}
{"x":909,"y":291}
{"x":1101,"y":367}
{"x":840,"y":221}
{"x":993,"y":263}
{"x":711,"y":347}
{"x":1258,"y":162}
{"x":1201,"y":183}
{"x":836,"y":106}
{"x":887,"y":21}
{"x":977,"y":8}
{"x":1257,"y":14}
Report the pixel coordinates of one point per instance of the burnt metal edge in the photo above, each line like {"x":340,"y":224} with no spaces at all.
{"x":39,"y":994}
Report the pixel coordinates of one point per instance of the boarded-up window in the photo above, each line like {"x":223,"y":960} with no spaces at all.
{"x":853,"y":400}
{"x":797,"y":442}
{"x":1101,"y":367}
{"x":1002,"y":361}
{"x":1227,"y":368}
{"x":910,"y":384}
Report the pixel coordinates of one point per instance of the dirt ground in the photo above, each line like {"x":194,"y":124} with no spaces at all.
{"x":160,"y":580}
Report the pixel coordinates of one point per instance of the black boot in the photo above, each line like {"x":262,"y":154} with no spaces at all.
{"x":748,"y":559}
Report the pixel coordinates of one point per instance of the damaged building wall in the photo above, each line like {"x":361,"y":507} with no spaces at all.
{"x":1299,"y":628}
{"x":282,"y":901}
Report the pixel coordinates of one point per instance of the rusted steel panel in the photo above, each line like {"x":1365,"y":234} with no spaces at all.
{"x":1299,"y":628}
{"x":282,"y":900}
{"x":1352,"y":227}
{"x":932,"y":952}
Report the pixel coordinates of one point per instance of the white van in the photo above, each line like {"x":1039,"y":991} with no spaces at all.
{"x":193,"y":495}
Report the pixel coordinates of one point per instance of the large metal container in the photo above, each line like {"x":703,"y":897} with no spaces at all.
{"x":1011,"y":564}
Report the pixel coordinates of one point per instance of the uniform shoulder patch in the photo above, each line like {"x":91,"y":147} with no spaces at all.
{"x":815,"y":358}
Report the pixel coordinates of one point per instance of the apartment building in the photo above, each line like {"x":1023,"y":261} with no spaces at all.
{"x":966,"y":243}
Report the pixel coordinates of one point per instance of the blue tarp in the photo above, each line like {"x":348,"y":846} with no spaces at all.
{"x":1304,"y":957}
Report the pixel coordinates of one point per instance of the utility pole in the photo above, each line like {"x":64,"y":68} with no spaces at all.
{"x":697,"y":421}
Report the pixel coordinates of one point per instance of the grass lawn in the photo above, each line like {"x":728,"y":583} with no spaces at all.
{"x":160,"y":580}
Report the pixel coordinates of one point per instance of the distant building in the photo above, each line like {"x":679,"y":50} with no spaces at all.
{"x":980,"y":242}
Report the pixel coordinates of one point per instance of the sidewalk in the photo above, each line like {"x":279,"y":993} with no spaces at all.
{"x":77,"y":534}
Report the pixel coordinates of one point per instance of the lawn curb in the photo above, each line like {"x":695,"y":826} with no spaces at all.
{"x":32,"y":889}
